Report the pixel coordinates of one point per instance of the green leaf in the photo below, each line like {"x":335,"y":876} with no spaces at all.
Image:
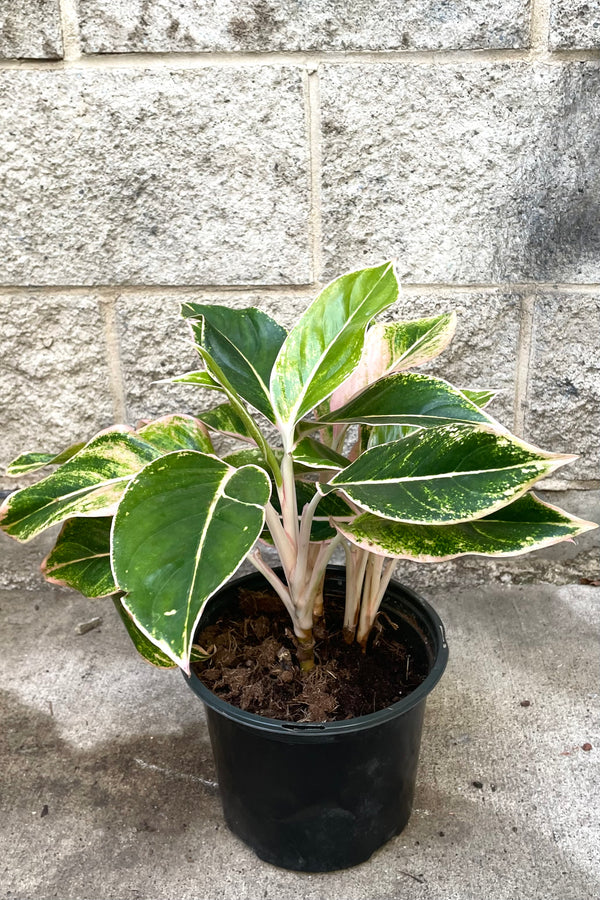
{"x":31,"y":462}
{"x":385,"y":434}
{"x":410,"y":399}
{"x":247,"y":456}
{"x":244,"y":344}
{"x":176,"y":432}
{"x":183,"y":527}
{"x":481,"y":397}
{"x":326,"y":344}
{"x":88,"y":484}
{"x":451,"y":473}
{"x":315,"y":455}
{"x":394,"y":347}
{"x":81,"y":557}
{"x":144,"y":647}
{"x":524,"y":525}
{"x":201,"y":378}
{"x":238,"y":407}
{"x":224,"y":419}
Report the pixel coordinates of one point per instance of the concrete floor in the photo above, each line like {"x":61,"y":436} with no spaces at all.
{"x":108,"y":783}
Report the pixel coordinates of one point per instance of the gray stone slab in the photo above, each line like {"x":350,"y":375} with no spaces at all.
{"x":30,"y":30}
{"x":162,"y":25}
{"x":574,"y":24}
{"x":564,"y":384}
{"x":483,"y":352}
{"x":117,"y":754}
{"x":156,"y":344}
{"x":480,"y":173}
{"x":54,"y":374}
{"x":154,"y":177}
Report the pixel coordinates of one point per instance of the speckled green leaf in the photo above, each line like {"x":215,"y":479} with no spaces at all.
{"x":89,"y":484}
{"x":31,"y":462}
{"x":184,"y":525}
{"x":324,"y":347}
{"x":524,"y":525}
{"x":407,"y":398}
{"x":392,"y":347}
{"x":244,"y":343}
{"x":81,"y":557}
{"x":450,"y":473}
{"x":481,"y":397}
{"x":176,"y":432}
{"x":315,"y":455}
{"x":224,"y":419}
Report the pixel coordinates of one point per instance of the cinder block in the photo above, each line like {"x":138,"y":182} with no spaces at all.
{"x":30,"y":30}
{"x":564,"y":380}
{"x":154,"y":177}
{"x":479,"y":173}
{"x":574,"y":24}
{"x":54,"y":375}
{"x":116,"y":26}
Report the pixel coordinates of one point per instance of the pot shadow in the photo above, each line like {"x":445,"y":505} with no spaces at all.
{"x":59,"y":801}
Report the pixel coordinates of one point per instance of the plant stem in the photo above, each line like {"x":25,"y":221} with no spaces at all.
{"x":356,"y":561}
{"x":276,"y":583}
{"x":369,"y":606}
{"x":283,"y":544}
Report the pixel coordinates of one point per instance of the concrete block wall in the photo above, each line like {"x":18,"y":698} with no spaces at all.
{"x":233,"y":152}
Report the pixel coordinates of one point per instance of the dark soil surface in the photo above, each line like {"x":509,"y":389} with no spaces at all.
{"x":255,"y":666}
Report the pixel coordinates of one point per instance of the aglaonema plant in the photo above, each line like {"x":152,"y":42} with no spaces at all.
{"x":371,"y":456}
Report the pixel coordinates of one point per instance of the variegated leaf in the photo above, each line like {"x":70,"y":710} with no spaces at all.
{"x":385,"y":434}
{"x":524,"y":525}
{"x":392,"y":347}
{"x":184,"y":525}
{"x":146,"y":648}
{"x":247,"y":456}
{"x":244,"y":343}
{"x":315,"y":455}
{"x":201,"y":378}
{"x":407,"y":398}
{"x":89,"y":484}
{"x":224,"y":419}
{"x":481,"y":397}
{"x":177,"y":432}
{"x":325,"y":346}
{"x":31,"y":462}
{"x":81,"y":557}
{"x":450,"y":473}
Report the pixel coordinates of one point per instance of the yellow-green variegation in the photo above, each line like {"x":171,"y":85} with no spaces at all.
{"x":525,"y":524}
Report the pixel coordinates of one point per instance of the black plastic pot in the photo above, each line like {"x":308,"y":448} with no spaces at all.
{"x":319,"y":797}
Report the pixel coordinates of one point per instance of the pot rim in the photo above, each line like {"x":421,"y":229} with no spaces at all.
{"x":307,"y":731}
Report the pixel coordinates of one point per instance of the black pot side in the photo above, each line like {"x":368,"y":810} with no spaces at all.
{"x":320,"y":797}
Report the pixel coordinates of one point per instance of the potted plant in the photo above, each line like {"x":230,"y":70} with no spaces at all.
{"x":370,"y":457}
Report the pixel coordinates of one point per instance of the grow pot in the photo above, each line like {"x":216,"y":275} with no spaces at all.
{"x":316,"y":797}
